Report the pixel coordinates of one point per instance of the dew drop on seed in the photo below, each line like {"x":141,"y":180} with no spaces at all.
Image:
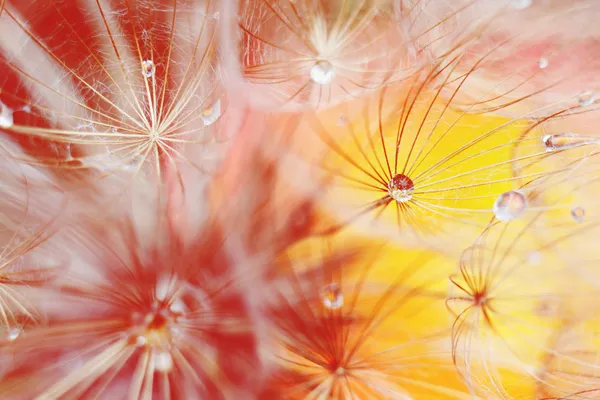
{"x":322,"y":72}
{"x":520,"y":4}
{"x":13,"y":333}
{"x":534,"y":257}
{"x":401,"y":188}
{"x":140,"y":340}
{"x":578,"y":214}
{"x":332,"y":296}
{"x":6,"y":116}
{"x":510,"y":205}
{"x":543,"y":62}
{"x":211,"y":114}
{"x":586,"y":99}
{"x":148,"y":68}
{"x":564,"y":141}
{"x":163,"y":361}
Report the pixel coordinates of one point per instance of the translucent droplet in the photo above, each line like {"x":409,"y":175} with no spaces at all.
{"x":586,"y":99}
{"x":543,"y":62}
{"x":6,"y":116}
{"x":510,"y":205}
{"x":322,"y":72}
{"x":140,"y":340}
{"x":211,"y":114}
{"x":578,"y":214}
{"x":148,"y":68}
{"x":216,"y":15}
{"x":520,"y":4}
{"x":332,"y":296}
{"x":163,"y":361}
{"x":534,"y":258}
{"x":13,"y":333}
{"x":401,"y":188}
{"x":564,"y":141}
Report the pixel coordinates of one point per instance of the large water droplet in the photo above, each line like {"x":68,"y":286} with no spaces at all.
{"x":520,"y":4}
{"x":163,"y":361}
{"x":13,"y":333}
{"x":332,"y":296}
{"x":564,"y":141}
{"x":6,"y":116}
{"x":578,"y":214}
{"x":211,"y":114}
{"x":148,"y":68}
{"x":510,"y":205}
{"x":586,"y":99}
{"x":401,"y":188}
{"x":543,"y":62}
{"x":322,"y":72}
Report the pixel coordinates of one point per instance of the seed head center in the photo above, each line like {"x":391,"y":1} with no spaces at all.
{"x":401,"y":188}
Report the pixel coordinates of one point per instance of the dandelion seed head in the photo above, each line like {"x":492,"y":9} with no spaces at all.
{"x":510,"y":205}
{"x":322,"y":72}
{"x":401,"y":188}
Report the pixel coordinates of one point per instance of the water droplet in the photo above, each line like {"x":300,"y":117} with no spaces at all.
{"x":6,"y":116}
{"x":148,"y":68}
{"x":401,"y":188}
{"x":140,"y":340}
{"x":578,"y":214}
{"x":534,"y":257}
{"x":543,"y":62}
{"x":586,"y":99}
{"x":216,"y":15}
{"x":163,"y":361}
{"x":211,"y":114}
{"x":564,"y":141}
{"x":520,"y":4}
{"x":13,"y":333}
{"x":322,"y":72}
{"x":332,"y":296}
{"x":510,"y":205}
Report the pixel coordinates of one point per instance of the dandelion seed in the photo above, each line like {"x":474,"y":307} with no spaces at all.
{"x":148,"y":68}
{"x":211,"y":114}
{"x":6,"y":116}
{"x":322,"y":72}
{"x":333,"y":297}
{"x":578,"y":213}
{"x":564,"y":141}
{"x":510,"y":205}
{"x":401,"y":188}
{"x":586,"y":99}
